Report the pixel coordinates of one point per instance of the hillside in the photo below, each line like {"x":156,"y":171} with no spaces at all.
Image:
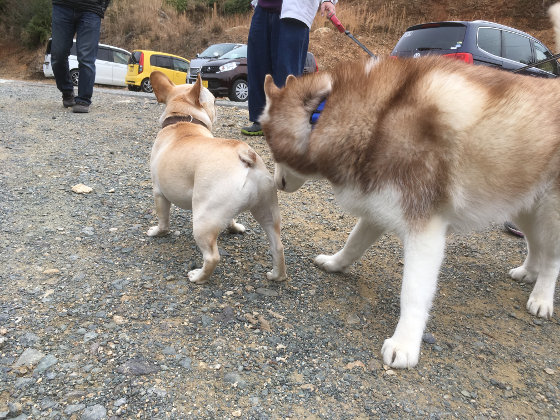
{"x":378,"y":24}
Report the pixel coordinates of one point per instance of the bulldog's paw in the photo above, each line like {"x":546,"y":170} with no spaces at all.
{"x":523,"y":275}
{"x":273,"y":275}
{"x":400,"y":355}
{"x":328,"y":263}
{"x":196,"y":277}
{"x":156,"y":231}
{"x":236,"y":228}
{"x":540,"y":307}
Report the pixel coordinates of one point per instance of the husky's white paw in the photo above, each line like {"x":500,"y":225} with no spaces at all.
{"x":540,"y":307}
{"x":523,"y":275}
{"x":328,"y":263}
{"x":236,"y":228}
{"x":195,"y":276}
{"x":399,"y":355}
{"x":272,"y":275}
{"x":156,"y":231}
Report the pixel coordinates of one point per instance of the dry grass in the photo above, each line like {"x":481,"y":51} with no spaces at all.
{"x":154,"y":25}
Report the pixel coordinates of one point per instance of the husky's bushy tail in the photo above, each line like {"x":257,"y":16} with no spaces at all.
{"x":554,"y":13}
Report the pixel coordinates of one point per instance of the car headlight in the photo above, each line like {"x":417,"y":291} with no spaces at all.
{"x":228,"y":66}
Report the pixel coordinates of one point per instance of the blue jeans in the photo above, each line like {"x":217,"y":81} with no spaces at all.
{"x":275,"y":46}
{"x":86,"y":25}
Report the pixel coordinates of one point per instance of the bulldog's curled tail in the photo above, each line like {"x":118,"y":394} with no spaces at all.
{"x":248,"y":156}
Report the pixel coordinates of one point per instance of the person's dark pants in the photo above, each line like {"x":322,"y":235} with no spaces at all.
{"x":275,"y":46}
{"x":86,"y":25}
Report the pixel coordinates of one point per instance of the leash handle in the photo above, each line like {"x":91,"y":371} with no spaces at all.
{"x":336,"y":22}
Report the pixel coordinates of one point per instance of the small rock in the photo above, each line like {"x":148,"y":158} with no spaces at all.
{"x":235,"y":378}
{"x":428,"y":338}
{"x":45,"y":363}
{"x":29,"y":357}
{"x":137,"y":367}
{"x":14,"y":409}
{"x":186,"y":362}
{"x":95,"y":412}
{"x":353,"y":319}
{"x":550,"y":371}
{"x":169,"y":351}
{"x":29,"y":340}
{"x":466,"y":393}
{"x":267,"y":292}
{"x":81,"y":189}
{"x":72,"y":408}
{"x":120,"y":402}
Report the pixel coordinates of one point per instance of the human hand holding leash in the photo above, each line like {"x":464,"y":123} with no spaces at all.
{"x":327,"y":7}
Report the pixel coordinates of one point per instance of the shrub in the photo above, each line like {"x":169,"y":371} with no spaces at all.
{"x":232,"y":7}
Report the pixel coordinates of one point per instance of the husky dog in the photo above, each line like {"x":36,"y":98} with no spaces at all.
{"x":422,"y":147}
{"x":215,"y":178}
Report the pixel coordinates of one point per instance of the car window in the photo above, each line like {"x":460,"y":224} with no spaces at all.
{"x":161,"y":61}
{"x":180,"y":65}
{"x":431,"y":38}
{"x":540,"y":54}
{"x":240,"y":52}
{"x":104,"y":54}
{"x":516,"y":47}
{"x":490,"y":40}
{"x":120,"y":57}
{"x":135,"y":57}
{"x":73,"y":50}
{"x":217,"y":50}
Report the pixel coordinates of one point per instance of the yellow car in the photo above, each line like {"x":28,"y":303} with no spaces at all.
{"x":142,"y":63}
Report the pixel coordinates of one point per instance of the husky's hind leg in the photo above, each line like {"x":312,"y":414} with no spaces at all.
{"x":541,"y":229}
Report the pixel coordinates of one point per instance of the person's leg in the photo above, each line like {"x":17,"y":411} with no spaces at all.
{"x":87,"y":42}
{"x":63,"y":30}
{"x":258,"y":60}
{"x":289,"y":50}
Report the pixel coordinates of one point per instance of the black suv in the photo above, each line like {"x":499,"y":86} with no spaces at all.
{"x":227,"y":75}
{"x":478,"y":42}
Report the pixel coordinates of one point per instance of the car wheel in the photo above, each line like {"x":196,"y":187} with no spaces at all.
{"x":74,"y":76}
{"x":239,"y":91}
{"x":146,"y":85}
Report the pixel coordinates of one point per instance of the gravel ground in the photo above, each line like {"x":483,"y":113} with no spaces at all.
{"x":99,"y":321}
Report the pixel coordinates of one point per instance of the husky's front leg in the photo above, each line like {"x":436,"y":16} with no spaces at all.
{"x":362,"y":236}
{"x":423,"y":254}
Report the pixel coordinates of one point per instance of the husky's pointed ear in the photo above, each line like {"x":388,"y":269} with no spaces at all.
{"x":269,"y":87}
{"x":317,"y":90}
{"x":197,"y":92}
{"x":554,"y":13}
{"x":161,"y":85}
{"x":290,"y":79}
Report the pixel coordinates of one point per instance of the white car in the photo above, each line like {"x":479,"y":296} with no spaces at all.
{"x":110,"y":67}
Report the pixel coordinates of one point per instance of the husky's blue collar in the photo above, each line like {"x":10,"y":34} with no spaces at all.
{"x":316,"y":114}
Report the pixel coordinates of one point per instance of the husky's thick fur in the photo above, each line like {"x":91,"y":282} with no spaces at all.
{"x":421,"y":147}
{"x":216,"y":178}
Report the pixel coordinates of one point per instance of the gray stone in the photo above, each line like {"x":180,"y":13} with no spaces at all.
{"x":162,"y":393}
{"x":428,"y":338}
{"x":95,"y":412}
{"x":235,"y":378}
{"x":14,"y":408}
{"x":45,"y":363}
{"x":137,"y":367}
{"x":47,"y":403}
{"x":186,"y":362}
{"x":23,"y":382}
{"x":206,"y":320}
{"x":267,"y":292}
{"x":169,"y":351}
{"x":72,"y":408}
{"x":90,"y":336}
{"x":120,"y":402}
{"x":29,"y":357}
{"x":29,"y":340}
{"x":353,"y":319}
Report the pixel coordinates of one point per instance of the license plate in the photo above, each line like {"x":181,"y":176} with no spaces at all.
{"x":205,"y":83}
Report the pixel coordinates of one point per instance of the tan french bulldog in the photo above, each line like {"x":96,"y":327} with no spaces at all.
{"x":215,"y":178}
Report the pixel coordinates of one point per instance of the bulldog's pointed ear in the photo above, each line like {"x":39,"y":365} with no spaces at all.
{"x":269,"y":87}
{"x":290,"y":79}
{"x":161,"y":85}
{"x":197,"y":92}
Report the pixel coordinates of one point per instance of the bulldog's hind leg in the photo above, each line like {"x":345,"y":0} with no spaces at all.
{"x":362,"y":237}
{"x":541,"y":229}
{"x":267,"y":213}
{"x":163,"y":206}
{"x":206,"y":230}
